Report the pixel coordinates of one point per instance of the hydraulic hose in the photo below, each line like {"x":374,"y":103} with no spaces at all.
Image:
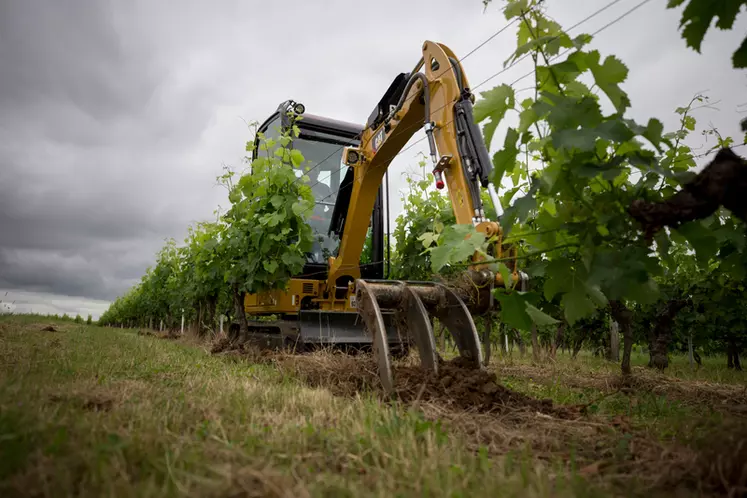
{"x":458,"y":72}
{"x":426,"y":95}
{"x":428,"y":124}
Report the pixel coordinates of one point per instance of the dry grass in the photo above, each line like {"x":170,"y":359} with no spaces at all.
{"x":608,"y":449}
{"x":91,"y":412}
{"x":730,"y":397}
{"x":114,"y":413}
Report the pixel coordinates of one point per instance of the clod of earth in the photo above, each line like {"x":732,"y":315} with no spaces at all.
{"x":245,"y":350}
{"x":49,"y":328}
{"x":722,"y":183}
{"x":460,"y":386}
{"x":457,"y":385}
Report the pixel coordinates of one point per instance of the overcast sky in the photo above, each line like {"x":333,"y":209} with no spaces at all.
{"x":116,"y":117}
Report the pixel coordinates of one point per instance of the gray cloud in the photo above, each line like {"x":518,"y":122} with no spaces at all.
{"x":115,"y":118}
{"x":48,"y":304}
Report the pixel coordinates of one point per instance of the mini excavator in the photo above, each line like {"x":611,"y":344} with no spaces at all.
{"x":342,"y":297}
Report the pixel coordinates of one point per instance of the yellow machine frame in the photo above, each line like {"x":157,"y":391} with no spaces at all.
{"x":446,"y":81}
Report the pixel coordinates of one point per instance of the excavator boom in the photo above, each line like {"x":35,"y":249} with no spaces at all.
{"x":438,"y":100}
{"x":435,"y":97}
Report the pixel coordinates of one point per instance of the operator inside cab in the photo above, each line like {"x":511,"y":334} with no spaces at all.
{"x":322,"y":215}
{"x":321,"y":141}
{"x":321,"y":190}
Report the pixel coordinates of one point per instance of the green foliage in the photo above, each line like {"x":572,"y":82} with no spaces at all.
{"x":495,"y":104}
{"x":425,"y":214}
{"x":256,"y":246}
{"x":698,"y":16}
{"x":457,"y":243}
{"x":585,"y":156}
{"x":266,"y":236}
{"x":567,"y":170}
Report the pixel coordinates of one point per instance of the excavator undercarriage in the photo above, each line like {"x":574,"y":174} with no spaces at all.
{"x":344,"y":297}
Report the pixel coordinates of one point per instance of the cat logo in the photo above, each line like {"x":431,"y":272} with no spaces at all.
{"x":378,"y":140}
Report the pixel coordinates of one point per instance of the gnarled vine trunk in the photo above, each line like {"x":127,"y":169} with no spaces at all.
{"x":721,"y":183}
{"x":520,"y":342}
{"x":661,"y":334}
{"x":535,"y":345}
{"x":732,"y":355}
{"x":212,"y":304}
{"x":579,"y":342}
{"x":623,"y":317}
{"x":198,"y":322}
{"x":238,"y":303}
{"x":560,"y":332}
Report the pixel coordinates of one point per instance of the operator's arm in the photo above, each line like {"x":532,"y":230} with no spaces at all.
{"x":438,"y":100}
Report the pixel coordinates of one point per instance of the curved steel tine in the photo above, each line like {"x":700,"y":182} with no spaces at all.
{"x":458,"y":320}
{"x":369,"y":310}
{"x":419,"y":328}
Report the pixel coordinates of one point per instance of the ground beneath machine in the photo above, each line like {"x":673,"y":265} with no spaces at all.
{"x":499,"y":420}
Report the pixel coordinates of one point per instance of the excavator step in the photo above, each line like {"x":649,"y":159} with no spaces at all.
{"x":331,"y":328}
{"x":412,"y":305}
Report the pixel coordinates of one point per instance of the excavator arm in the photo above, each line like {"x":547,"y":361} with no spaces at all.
{"x":434,"y":96}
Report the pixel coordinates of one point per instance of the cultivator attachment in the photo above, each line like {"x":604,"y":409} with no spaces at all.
{"x":413,"y":305}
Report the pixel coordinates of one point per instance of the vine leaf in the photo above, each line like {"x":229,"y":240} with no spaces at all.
{"x":608,"y":77}
{"x":539,"y":317}
{"x":513,"y":310}
{"x":559,"y":278}
{"x":520,"y":209}
{"x":297,"y":157}
{"x":505,"y":274}
{"x":516,"y":8}
{"x":494,"y":105}
{"x":505,"y":159}
{"x":701,"y":239}
{"x":698,"y":16}
{"x":517,"y":310}
{"x":577,"y":305}
{"x":457,"y":244}
{"x":596,"y":295}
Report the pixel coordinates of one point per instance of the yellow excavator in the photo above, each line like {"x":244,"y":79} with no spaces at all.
{"x":343,"y":296}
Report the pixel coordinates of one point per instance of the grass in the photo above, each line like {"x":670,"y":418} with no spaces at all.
{"x":680,"y":403}
{"x":92,"y":412}
{"x":86,"y":411}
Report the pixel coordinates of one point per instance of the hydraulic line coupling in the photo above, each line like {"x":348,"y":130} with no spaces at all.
{"x":438,"y":170}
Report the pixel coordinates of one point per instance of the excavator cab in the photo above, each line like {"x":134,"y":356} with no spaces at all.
{"x":321,"y":141}
{"x":305,"y":316}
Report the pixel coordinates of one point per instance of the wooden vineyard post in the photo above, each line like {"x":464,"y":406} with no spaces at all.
{"x":614,"y":341}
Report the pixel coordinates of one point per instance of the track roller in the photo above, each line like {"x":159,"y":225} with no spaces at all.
{"x":413,"y":303}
